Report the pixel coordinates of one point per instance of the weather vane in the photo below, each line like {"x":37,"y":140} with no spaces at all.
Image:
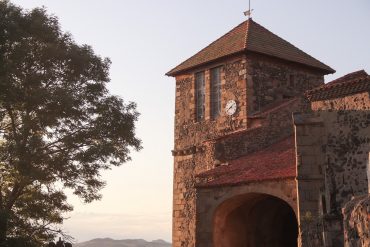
{"x":249,"y":11}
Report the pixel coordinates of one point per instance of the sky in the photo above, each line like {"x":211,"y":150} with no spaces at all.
{"x":145,"y":39}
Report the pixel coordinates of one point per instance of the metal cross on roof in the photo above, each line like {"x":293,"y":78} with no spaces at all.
{"x":249,"y":11}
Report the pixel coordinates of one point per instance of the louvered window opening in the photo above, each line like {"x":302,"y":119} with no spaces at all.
{"x":215,"y":92}
{"x":200,"y":95}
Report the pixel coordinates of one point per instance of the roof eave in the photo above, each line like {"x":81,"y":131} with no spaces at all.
{"x":206,"y":185}
{"x":175,"y":72}
{"x":327,"y":70}
{"x":315,"y":94}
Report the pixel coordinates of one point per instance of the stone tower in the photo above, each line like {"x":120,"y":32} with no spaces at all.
{"x":233,"y":151}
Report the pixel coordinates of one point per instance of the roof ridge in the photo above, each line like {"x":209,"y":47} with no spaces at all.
{"x":247,"y":33}
{"x":353,"y":84}
{"x":207,"y":46}
{"x":350,"y":76}
{"x":249,"y":36}
{"x":330,"y":84}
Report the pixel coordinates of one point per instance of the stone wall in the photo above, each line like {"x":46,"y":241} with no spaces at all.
{"x":320,"y":225}
{"x":270,"y":81}
{"x":356,"y":214}
{"x":309,"y":134}
{"x":275,"y":126}
{"x":345,"y":138}
{"x":215,"y":203}
{"x":183,"y":200}
{"x":338,"y":143}
{"x":190,"y":153}
{"x":195,"y":150}
{"x":360,"y":101}
{"x":347,"y":151}
{"x":188,"y":132}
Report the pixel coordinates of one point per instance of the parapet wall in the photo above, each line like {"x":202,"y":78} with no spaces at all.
{"x":360,"y":101}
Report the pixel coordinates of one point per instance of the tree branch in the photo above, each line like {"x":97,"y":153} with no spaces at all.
{"x":51,"y":144}
{"x":13,"y":125}
{"x":14,"y":195}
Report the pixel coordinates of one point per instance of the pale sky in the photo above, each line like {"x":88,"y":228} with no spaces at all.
{"x":145,"y":39}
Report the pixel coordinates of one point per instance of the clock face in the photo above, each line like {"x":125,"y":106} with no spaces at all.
{"x":230,"y":108}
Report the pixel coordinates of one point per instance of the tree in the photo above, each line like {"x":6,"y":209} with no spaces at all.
{"x":59,"y":126}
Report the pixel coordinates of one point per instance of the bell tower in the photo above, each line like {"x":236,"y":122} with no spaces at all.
{"x":221,"y":91}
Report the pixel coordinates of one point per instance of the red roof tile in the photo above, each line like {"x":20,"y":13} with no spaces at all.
{"x":249,"y":36}
{"x":351,"y":76}
{"x":275,"y":162}
{"x":349,"y":84}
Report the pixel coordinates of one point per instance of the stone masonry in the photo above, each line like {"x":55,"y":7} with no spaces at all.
{"x":333,"y":144}
{"x":215,"y":190}
{"x":191,"y":137}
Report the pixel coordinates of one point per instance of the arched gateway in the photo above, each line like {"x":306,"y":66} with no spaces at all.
{"x":255,"y":220}
{"x":256,"y":214}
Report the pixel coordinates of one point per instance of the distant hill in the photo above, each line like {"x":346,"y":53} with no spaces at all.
{"x":108,"y":242}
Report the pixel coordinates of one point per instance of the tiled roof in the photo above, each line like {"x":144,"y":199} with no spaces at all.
{"x":275,"y":162}
{"x":250,"y":36}
{"x":349,"y":84}
{"x":351,"y":76}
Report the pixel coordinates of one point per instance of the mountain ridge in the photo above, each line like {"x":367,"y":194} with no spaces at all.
{"x":109,"y":242}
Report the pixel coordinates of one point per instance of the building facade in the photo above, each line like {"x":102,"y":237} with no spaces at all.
{"x":238,"y":172}
{"x":332,"y":145}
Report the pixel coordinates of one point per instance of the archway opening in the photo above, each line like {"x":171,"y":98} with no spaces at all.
{"x":255,"y":220}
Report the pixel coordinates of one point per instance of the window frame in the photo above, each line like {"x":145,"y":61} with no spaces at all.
{"x":215,"y":92}
{"x":200,"y":95}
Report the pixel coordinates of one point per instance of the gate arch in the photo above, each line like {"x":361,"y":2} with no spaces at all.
{"x":255,"y":220}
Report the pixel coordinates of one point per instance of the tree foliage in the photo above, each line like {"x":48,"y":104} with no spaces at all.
{"x":59,"y":126}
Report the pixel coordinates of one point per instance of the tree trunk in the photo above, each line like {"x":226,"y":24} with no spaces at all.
{"x":3,"y":226}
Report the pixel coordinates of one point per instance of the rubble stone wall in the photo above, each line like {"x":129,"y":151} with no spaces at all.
{"x":360,"y":101}
{"x":342,"y":138}
{"x":242,"y":80}
{"x":274,"y":127}
{"x":339,"y":143}
{"x":190,"y":155}
{"x":269,"y":81}
{"x":348,"y":145}
{"x":189,"y":132}
{"x":356,"y":216}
